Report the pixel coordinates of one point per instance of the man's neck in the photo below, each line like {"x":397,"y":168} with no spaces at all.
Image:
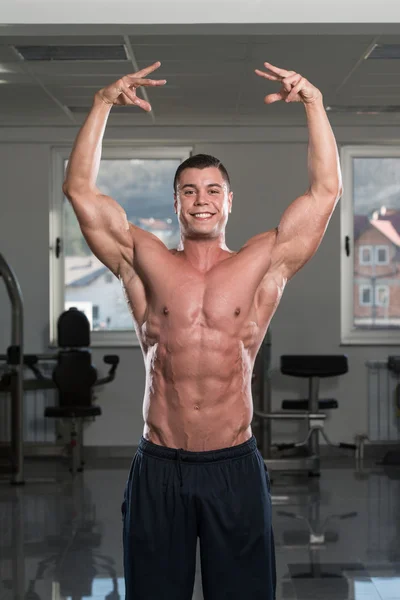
{"x":203,"y":254}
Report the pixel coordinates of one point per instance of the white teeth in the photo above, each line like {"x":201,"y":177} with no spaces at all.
{"x":203,"y":215}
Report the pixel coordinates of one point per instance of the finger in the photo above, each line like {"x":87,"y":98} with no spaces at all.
{"x":276,"y":70}
{"x":130,"y":95}
{"x":143,"y":104}
{"x":295,"y":90}
{"x":267,"y":75}
{"x":271,"y":98}
{"x":150,"y":82}
{"x":138,"y":81}
{"x":144,"y":72}
{"x":291,"y":81}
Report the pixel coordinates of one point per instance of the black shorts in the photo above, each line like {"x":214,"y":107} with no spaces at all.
{"x":172,"y":497}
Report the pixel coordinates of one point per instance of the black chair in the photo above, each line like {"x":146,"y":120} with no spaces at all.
{"x":75,"y":378}
{"x":313,"y":367}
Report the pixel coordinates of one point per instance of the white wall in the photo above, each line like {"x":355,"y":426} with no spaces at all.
{"x":207,"y":11}
{"x":266,"y":176}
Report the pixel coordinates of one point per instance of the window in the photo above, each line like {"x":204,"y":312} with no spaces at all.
{"x":381,"y":255}
{"x":365,"y":253}
{"x":370,"y":248}
{"x":141,"y":181}
{"x":382,"y":295}
{"x":365,"y":295}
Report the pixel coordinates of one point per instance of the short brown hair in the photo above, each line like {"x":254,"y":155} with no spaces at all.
{"x":201,"y":161}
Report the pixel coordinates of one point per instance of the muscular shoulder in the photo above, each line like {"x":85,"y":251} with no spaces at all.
{"x":266,"y":239}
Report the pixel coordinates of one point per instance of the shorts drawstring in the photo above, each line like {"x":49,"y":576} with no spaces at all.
{"x":180,"y":466}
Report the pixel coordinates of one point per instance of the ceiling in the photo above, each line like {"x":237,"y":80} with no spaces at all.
{"x":210,"y":79}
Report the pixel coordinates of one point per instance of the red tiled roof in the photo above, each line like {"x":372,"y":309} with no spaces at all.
{"x":386,"y":227}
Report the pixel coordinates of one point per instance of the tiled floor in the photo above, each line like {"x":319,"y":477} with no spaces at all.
{"x":337,"y":537}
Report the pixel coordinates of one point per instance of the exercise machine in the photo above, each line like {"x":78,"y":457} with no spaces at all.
{"x":74,"y":377}
{"x":308,"y":410}
{"x":15,"y":375}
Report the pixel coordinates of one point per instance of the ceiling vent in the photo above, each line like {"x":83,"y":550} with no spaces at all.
{"x":386,"y":51}
{"x":73,"y":53}
{"x":365,"y":110}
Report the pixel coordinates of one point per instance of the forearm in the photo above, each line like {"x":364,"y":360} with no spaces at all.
{"x":323,"y":157}
{"x":84,"y":162}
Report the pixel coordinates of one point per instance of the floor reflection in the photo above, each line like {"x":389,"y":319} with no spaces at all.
{"x":337,"y":538}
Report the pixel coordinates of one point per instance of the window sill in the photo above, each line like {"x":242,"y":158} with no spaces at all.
{"x":369,"y":338}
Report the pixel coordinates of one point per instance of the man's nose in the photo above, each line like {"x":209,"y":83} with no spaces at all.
{"x":202,"y":198}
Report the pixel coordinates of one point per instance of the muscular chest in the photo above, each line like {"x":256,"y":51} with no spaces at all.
{"x":177,"y":298}
{"x":208,"y":302}
{"x":195,"y":314}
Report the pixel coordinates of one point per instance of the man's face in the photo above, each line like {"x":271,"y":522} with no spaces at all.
{"x":202,"y":202}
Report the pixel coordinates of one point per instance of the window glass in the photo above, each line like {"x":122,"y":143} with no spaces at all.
{"x":365,"y":295}
{"x":365,"y":255}
{"x":143,"y":187}
{"x":376,"y":206}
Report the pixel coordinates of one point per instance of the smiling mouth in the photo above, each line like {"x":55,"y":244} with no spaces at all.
{"x":203,"y":216}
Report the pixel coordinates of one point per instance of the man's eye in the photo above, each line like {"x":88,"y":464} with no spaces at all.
{"x":188,"y":192}
{"x":214,"y":191}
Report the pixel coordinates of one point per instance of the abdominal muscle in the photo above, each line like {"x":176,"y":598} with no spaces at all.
{"x":198,"y":389}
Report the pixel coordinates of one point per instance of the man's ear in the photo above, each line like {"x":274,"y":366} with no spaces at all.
{"x":230,"y":198}
{"x":175,"y":204}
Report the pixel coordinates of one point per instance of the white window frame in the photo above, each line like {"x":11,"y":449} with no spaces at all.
{"x":362,"y":287}
{"x":59,"y":155}
{"x":360,"y":260}
{"x":349,"y":334}
{"x":377,"y":248}
{"x":377,"y":288}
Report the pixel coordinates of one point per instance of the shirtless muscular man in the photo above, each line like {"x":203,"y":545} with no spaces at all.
{"x":201,"y":312}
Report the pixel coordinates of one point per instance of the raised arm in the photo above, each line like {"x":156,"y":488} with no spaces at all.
{"x":304,"y":222}
{"x":103,"y":221}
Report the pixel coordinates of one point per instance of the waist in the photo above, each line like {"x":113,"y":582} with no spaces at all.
{"x":181,"y":418}
{"x":204,"y":456}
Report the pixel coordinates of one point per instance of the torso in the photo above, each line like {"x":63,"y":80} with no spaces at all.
{"x":200,"y":334}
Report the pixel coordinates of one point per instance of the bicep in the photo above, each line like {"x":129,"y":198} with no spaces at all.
{"x":105,"y":227}
{"x":300,"y":232}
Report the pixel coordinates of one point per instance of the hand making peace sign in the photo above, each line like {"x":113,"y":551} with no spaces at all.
{"x":295,"y":88}
{"x":123,"y":91}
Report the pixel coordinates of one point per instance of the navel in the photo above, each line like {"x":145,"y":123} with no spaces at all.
{"x":166,"y":310}
{"x":237,"y":312}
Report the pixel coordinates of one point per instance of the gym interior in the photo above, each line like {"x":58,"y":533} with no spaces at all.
{"x":326,"y":382}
